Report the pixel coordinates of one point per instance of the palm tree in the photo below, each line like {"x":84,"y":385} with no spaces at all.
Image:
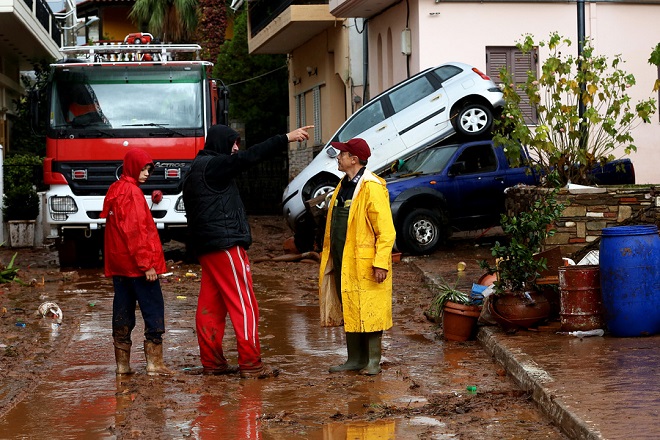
{"x":171,"y":20}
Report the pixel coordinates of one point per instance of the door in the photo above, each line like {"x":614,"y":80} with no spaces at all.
{"x":479,"y":186}
{"x":420,"y":112}
{"x":372,"y":124}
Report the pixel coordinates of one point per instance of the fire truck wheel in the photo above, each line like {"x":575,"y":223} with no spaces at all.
{"x":78,"y":251}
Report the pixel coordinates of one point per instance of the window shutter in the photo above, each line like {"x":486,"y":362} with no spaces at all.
{"x":523,"y":63}
{"x":519,"y":64}
{"x":497,"y":59}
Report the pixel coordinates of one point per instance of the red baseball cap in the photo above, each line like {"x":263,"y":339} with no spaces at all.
{"x":356,"y":146}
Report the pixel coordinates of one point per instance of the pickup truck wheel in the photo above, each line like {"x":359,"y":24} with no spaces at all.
{"x":473,"y":120}
{"x":306,"y":232}
{"x":422,"y":232}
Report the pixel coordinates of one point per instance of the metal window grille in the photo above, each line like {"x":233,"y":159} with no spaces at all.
{"x":317,"y":115}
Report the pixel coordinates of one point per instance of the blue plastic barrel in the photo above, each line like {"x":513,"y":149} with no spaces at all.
{"x":630,"y":284}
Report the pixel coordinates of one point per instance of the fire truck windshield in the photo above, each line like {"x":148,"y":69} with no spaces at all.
{"x":159,"y":97}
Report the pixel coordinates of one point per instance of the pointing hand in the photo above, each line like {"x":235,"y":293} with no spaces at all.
{"x":299,"y":134}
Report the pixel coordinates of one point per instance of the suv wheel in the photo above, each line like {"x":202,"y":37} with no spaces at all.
{"x":423,"y":230}
{"x":321,"y":189}
{"x":473,"y":120}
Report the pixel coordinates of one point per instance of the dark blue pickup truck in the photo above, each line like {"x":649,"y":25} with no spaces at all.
{"x":460,"y":187}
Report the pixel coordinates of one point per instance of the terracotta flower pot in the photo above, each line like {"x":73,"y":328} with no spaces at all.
{"x":515,"y":310}
{"x":459,"y":321}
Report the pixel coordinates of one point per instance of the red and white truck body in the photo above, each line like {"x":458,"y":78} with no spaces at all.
{"x":106,"y":99}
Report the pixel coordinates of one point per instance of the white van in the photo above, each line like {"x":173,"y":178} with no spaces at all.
{"x":414,"y":114}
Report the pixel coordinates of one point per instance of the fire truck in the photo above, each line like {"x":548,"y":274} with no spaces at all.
{"x":105,"y":99}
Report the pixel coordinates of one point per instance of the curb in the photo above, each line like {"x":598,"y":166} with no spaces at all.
{"x":529,"y":377}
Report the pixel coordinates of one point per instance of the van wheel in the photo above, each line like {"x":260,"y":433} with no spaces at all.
{"x":422,"y":231}
{"x":473,"y":120}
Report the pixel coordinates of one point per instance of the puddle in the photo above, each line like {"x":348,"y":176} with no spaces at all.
{"x":81,"y":397}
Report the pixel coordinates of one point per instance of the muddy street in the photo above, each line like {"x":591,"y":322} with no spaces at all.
{"x":60,"y":382}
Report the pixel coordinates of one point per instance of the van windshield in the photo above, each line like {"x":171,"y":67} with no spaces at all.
{"x":127,"y":97}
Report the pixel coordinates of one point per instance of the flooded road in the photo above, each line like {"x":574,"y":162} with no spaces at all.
{"x":67,"y":388}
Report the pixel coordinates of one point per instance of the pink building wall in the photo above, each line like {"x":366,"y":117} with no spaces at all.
{"x":453,"y":31}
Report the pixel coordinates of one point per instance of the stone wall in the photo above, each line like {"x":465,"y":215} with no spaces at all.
{"x":300,"y":155}
{"x":588,"y":210}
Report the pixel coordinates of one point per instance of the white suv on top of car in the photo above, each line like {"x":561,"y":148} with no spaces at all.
{"x":416,"y":113}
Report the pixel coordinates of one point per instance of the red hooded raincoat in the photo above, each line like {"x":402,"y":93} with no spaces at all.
{"x":132,"y":244}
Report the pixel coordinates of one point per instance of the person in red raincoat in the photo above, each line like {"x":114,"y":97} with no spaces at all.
{"x":134,"y":258}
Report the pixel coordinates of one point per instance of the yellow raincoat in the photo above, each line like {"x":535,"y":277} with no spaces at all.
{"x":370,"y":235}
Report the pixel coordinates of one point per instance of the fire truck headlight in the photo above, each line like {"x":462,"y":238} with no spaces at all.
{"x":179,"y":205}
{"x":62,"y":205}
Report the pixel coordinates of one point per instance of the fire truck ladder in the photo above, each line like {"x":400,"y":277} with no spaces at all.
{"x":109,"y":52}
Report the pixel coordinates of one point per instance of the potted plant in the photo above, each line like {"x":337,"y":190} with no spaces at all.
{"x":517,"y":301}
{"x":456,"y":310}
{"x":21,"y":202}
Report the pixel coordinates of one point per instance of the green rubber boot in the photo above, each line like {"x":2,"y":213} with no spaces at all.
{"x":357,"y":355}
{"x":374,"y":343}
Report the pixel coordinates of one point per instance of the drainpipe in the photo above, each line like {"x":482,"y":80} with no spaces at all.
{"x":365,"y":62}
{"x":581,"y":37}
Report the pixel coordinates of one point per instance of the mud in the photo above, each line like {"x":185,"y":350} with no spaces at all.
{"x":59,"y":381}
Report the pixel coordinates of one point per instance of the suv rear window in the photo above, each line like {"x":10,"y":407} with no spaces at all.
{"x":446,"y":72}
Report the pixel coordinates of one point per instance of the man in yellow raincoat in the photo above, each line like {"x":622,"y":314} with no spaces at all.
{"x":355,"y":279}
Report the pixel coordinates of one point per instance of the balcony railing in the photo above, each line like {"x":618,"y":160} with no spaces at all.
{"x":44,"y":15}
{"x":263,"y":12}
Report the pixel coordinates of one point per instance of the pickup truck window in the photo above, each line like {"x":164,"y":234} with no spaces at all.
{"x":478,"y":159}
{"x":410,"y":93}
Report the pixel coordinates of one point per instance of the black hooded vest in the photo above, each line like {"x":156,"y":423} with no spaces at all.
{"x":216,"y":219}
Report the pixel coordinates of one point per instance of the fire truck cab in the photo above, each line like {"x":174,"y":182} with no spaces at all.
{"x":105,"y":99}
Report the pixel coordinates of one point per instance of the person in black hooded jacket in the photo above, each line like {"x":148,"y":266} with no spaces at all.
{"x":219,"y":235}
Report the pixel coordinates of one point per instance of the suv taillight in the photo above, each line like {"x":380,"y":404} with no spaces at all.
{"x":481,"y":74}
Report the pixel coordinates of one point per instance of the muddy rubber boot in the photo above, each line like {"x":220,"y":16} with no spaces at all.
{"x":123,"y":359}
{"x":154,"y":354}
{"x":374,"y":344}
{"x":357,"y":354}
{"x":264,"y":372}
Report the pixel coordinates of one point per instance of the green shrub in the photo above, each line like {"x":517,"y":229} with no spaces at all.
{"x":21,"y":201}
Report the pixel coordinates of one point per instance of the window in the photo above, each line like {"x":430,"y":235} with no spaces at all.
{"x":430,"y":161}
{"x":478,"y":159}
{"x":127,"y":98}
{"x":410,"y":93}
{"x":446,"y":72}
{"x":369,"y":115}
{"x":518,"y":64}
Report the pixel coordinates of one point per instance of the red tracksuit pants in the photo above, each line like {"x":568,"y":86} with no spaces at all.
{"x":226,"y":287}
